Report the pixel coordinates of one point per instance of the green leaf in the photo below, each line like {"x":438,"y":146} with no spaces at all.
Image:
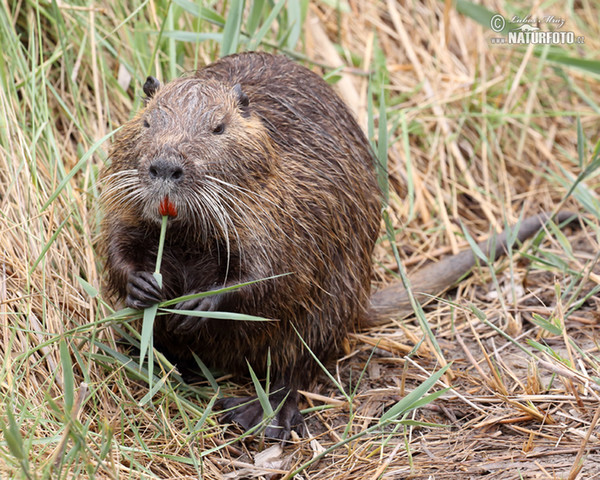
{"x":263,"y":398}
{"x":146,"y":343}
{"x":473,"y":244}
{"x":158,"y":277}
{"x":295,"y":23}
{"x":207,"y":412}
{"x":231,"y":32}
{"x":419,"y":313}
{"x":12,"y":435}
{"x":334,"y":380}
{"x":218,"y":315}
{"x":580,"y":142}
{"x":268,"y":379}
{"x":413,"y":399}
{"x":152,"y":391}
{"x":546,"y":349}
{"x":254,"y":16}
{"x":77,"y":167}
{"x":480,"y":14}
{"x":256,"y":39}
{"x":107,"y":437}
{"x":206,"y":372}
{"x":415,"y":423}
{"x":512,"y":232}
{"x":68,"y":378}
{"x":546,"y":325}
{"x":382,"y":148}
{"x":124,"y":313}
{"x":161,"y":246}
{"x":592,"y":66}
{"x":201,"y":12}
{"x":89,"y":289}
{"x":410,"y":177}
{"x":192,"y":37}
{"x":218,"y":291}
{"x":561,"y":238}
{"x":432,"y":397}
{"x":48,"y":245}
{"x":550,"y":262}
{"x":371,"y":117}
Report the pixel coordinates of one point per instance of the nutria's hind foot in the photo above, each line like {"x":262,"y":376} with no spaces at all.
{"x":247,"y":412}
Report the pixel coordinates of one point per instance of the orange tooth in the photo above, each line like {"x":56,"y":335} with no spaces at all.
{"x":167,"y":207}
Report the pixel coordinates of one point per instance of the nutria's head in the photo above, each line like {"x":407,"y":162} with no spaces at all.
{"x":194,"y":143}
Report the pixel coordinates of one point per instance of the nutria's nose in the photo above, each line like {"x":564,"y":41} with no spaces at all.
{"x":162,"y":169}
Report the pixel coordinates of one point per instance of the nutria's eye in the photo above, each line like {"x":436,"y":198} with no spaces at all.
{"x":146,"y":124}
{"x":219,"y":129}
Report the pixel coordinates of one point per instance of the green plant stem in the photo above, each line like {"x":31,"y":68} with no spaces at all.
{"x":161,"y":243}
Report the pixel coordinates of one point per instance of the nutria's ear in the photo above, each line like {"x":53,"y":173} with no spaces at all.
{"x":150,"y":87}
{"x":243,"y":100}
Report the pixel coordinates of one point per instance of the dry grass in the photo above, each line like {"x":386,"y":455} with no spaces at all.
{"x":479,"y":134}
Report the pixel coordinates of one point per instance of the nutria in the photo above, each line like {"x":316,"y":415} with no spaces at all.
{"x":265,"y":174}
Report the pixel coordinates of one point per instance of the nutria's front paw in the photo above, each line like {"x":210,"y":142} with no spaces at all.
{"x":182,"y":324}
{"x":142,"y":290}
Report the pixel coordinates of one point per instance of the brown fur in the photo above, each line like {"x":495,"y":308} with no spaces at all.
{"x":296,"y":182}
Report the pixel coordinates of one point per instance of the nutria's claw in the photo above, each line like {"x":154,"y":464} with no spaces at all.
{"x":184,"y":323}
{"x":142,"y":290}
{"x":247,"y":412}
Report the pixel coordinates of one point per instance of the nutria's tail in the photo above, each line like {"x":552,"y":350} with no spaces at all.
{"x":433,"y":279}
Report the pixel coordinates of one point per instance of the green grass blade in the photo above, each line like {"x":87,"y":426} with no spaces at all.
{"x":295,"y":22}
{"x":473,"y":245}
{"x":89,"y":289}
{"x":192,"y":37}
{"x":206,"y":372}
{"x":262,"y":395}
{"x":80,"y":164}
{"x":231,"y":32}
{"x":580,"y":142}
{"x":409,"y":401}
{"x":152,"y":391}
{"x":12,"y":435}
{"x":382,"y":149}
{"x":146,"y":343}
{"x":218,"y":291}
{"x":592,"y":66}
{"x":480,"y":14}
{"x":207,"y":412}
{"x":419,"y":313}
{"x":48,"y":245}
{"x":203,"y":13}
{"x":260,"y":35}
{"x":68,"y":378}
{"x":546,"y":325}
{"x":161,"y":247}
{"x":253,"y":20}
{"x":218,"y":315}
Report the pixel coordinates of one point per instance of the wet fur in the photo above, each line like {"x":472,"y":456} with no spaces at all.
{"x":287,"y":188}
